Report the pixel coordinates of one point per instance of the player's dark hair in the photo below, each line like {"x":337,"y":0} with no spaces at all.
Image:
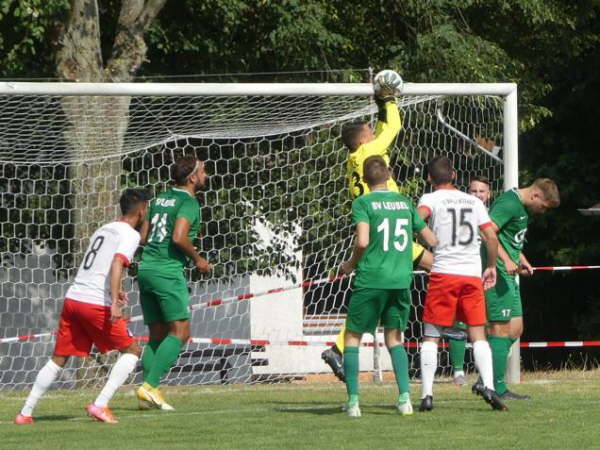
{"x":375,"y":170}
{"x":481,"y":179}
{"x":440,"y":170}
{"x":549,"y":190}
{"x":351,"y":133}
{"x":182,"y":169}
{"x":131,"y":199}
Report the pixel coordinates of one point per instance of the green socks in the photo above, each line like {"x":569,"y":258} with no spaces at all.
{"x":148,"y":355}
{"x":351,"y":372}
{"x":500,"y":348}
{"x":457,"y":354}
{"x":400,"y":364}
{"x":165,"y":355}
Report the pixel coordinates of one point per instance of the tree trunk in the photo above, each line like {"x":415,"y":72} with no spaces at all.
{"x":97,"y":125}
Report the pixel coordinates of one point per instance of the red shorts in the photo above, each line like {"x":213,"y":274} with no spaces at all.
{"x":83,"y":324}
{"x":454,"y":297}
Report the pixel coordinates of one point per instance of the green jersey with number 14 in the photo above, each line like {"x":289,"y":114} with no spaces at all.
{"x":387,"y":261}
{"x":512,"y":218}
{"x":160,"y":253}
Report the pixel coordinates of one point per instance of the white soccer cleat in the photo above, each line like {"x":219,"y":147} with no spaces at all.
{"x":405,"y":409}
{"x":353,"y":411}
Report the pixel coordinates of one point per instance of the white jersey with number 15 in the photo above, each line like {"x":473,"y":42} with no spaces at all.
{"x":92,"y":282}
{"x":456,"y":218}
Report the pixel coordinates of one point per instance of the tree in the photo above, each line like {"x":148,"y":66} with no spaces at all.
{"x":99,"y":122}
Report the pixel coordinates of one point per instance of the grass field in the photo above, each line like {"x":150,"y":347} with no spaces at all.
{"x":564,"y":413}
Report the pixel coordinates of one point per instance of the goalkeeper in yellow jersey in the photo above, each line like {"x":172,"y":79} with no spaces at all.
{"x":362,"y":143}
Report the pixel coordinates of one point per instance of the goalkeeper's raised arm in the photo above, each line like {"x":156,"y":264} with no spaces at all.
{"x":362,"y":142}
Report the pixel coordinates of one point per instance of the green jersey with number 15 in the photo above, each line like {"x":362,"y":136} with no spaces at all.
{"x":160,"y":253}
{"x":387,"y":261}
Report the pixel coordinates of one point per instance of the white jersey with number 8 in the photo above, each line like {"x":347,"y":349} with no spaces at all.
{"x":455,"y":219}
{"x":92,"y":282}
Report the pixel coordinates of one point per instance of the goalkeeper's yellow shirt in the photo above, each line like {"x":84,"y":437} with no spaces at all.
{"x":385,"y":133}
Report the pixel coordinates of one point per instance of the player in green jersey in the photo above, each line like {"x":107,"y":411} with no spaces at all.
{"x":173,"y":222}
{"x":382,"y":255}
{"x":510,"y":217}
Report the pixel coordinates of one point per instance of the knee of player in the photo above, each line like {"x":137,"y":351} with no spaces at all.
{"x":133,"y":349}
{"x":60,"y":361}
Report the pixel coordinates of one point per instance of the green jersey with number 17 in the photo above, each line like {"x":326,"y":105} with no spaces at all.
{"x":512,"y":218}
{"x":387,"y":261}
{"x":160,"y":253}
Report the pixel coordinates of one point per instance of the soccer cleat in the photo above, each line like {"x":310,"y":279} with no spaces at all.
{"x":20,"y":419}
{"x":426,"y":404}
{"x":100,"y":413}
{"x":492,"y":399}
{"x":459,"y":380}
{"x":478,"y":387}
{"x":509,"y":395}
{"x":151,"y":397}
{"x":405,"y":409}
{"x":353,"y":410}
{"x":336,"y":361}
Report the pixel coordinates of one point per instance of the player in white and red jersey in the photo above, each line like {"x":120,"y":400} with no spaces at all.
{"x":92,"y":310}
{"x":455,"y":290}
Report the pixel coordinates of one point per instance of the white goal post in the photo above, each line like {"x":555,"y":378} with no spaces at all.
{"x":275,"y":212}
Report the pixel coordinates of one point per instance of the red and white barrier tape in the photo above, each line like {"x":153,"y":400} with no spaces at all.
{"x":565,"y":268}
{"x":242,"y":297}
{"x":306,"y":343}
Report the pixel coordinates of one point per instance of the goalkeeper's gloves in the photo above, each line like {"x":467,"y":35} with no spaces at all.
{"x":381,"y":111}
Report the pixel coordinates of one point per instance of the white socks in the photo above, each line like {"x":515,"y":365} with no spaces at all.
{"x":119,"y":373}
{"x":44,"y":379}
{"x":429,"y":351}
{"x":483,"y":361}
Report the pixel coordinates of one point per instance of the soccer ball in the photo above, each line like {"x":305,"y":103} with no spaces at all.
{"x":387,"y":82}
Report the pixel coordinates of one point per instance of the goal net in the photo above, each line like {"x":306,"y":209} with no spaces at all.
{"x":275,"y":213}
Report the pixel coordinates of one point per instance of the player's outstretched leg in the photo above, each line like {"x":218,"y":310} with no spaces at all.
{"x":428,"y":356}
{"x":121,"y":370}
{"x":44,"y":379}
{"x":333,"y":356}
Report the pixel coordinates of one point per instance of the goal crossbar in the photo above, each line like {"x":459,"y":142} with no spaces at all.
{"x":232,"y":89}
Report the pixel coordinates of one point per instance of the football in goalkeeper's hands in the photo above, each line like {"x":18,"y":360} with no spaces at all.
{"x":386,"y":83}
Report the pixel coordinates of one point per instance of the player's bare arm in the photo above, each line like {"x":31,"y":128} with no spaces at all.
{"x":525,"y":267}
{"x":492,"y":245}
{"x":511,"y":267}
{"x":427,"y":236}
{"x":145,"y":232}
{"x":116,"y":276}
{"x":361,"y":242}
{"x":181,"y":239}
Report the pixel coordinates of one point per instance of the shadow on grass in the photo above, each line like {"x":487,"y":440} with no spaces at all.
{"x":55,"y":418}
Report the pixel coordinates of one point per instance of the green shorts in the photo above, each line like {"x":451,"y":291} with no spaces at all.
{"x":503,"y":301}
{"x":368,"y":307}
{"x":163,"y":298}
